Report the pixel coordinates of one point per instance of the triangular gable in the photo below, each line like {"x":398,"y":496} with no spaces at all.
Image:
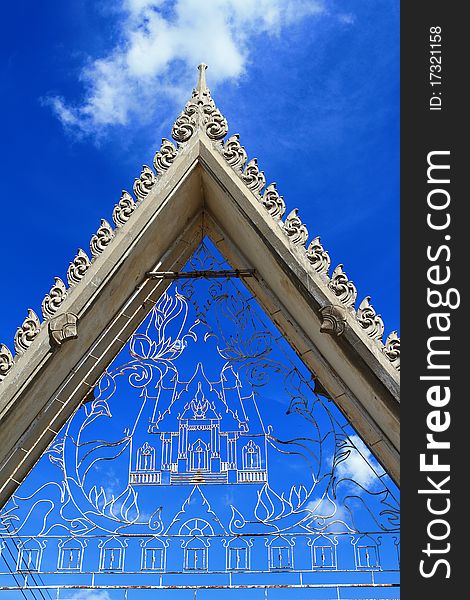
{"x":202,"y":186}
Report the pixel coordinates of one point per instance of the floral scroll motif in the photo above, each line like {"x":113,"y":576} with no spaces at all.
{"x":391,"y":349}
{"x":369,"y":320}
{"x":78,"y":267}
{"x":101,"y":238}
{"x":295,"y":230}
{"x":342,"y":288}
{"x":165,"y":157}
{"x":27,"y":332}
{"x":318,"y":256}
{"x":54,"y":298}
{"x":144,"y":184}
{"x":123,"y":209}
{"x":6,"y":361}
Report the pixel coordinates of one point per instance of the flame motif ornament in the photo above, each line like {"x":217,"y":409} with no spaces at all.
{"x":6,"y":361}
{"x":200,"y":112}
{"x":54,"y":298}
{"x":78,"y":267}
{"x":318,"y":257}
{"x":273,"y":202}
{"x":342,"y":288}
{"x":123,"y":209}
{"x":369,"y":320}
{"x":27,"y":332}
{"x":101,"y":239}
{"x":391,"y":349}
{"x":165,"y":157}
{"x":295,"y":230}
{"x":144,"y":184}
{"x":234,"y":153}
{"x":253,"y":177}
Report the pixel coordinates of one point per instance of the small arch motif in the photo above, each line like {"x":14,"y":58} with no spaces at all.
{"x":146,"y":458}
{"x":251,"y":456}
{"x":238,"y":554}
{"x":71,"y":554}
{"x":323,"y":552}
{"x":112,"y":554}
{"x":281,"y":554}
{"x":366,"y":550}
{"x":153,"y":555}
{"x":196,"y":555}
{"x":199,"y":456}
{"x":30,"y":555}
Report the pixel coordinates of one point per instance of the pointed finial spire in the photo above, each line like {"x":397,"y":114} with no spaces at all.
{"x":200,"y":112}
{"x":201,"y":84}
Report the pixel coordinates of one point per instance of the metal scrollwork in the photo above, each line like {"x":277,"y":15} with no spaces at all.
{"x":206,"y":447}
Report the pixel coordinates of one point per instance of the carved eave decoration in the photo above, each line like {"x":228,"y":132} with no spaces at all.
{"x":203,"y":184}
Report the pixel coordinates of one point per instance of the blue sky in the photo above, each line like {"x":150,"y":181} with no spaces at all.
{"x":89,"y":88}
{"x":206,"y":367}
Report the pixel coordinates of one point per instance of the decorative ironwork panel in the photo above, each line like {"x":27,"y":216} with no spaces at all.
{"x":205,"y":449}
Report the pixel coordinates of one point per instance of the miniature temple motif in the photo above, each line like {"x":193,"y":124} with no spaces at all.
{"x":207,"y":442}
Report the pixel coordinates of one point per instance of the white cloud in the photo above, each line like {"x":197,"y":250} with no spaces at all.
{"x":160,"y":39}
{"x":358,"y":464}
{"x":90,"y":595}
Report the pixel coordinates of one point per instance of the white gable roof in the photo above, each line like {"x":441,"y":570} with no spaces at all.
{"x":201,"y":186}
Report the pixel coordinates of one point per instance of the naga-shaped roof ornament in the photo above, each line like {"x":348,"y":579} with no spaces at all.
{"x":200,"y":112}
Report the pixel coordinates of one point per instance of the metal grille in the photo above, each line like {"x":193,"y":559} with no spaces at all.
{"x":205,"y":458}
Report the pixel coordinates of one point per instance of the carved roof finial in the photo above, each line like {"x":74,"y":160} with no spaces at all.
{"x":201,"y":86}
{"x":201,"y":113}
